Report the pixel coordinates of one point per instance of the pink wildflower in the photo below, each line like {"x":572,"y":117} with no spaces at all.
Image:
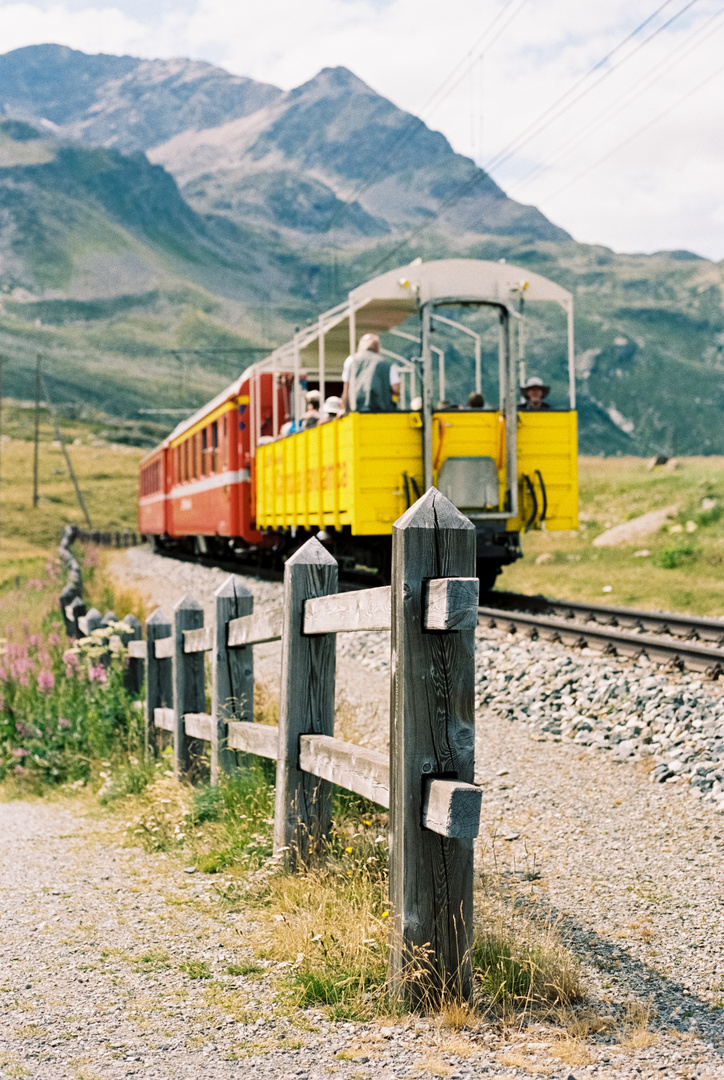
{"x":46,"y":679}
{"x":62,"y":722}
{"x":44,"y":658}
{"x":20,"y":751}
{"x":71,"y":659}
{"x":56,"y":625}
{"x":20,"y":771}
{"x":22,"y":729}
{"x":24,"y":680}
{"x":53,"y":639}
{"x":9,"y":631}
{"x":97,"y":674}
{"x":35,"y":639}
{"x":3,"y":673}
{"x":69,"y":671}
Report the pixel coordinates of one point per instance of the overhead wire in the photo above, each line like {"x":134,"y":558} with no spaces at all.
{"x":531,"y":131}
{"x":378,"y":169}
{"x":639,"y":131}
{"x":624,"y":100}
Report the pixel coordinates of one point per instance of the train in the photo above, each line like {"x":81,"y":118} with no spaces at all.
{"x":245,"y":480}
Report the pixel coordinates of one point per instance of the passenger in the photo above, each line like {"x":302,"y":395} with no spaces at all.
{"x":476,"y":401}
{"x":534,"y":392}
{"x":370,"y":381}
{"x":330,"y":410}
{"x":310,"y":417}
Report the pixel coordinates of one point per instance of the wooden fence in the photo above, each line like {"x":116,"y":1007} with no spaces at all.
{"x":427,"y":781}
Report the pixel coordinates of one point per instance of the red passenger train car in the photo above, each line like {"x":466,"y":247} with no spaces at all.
{"x":196,"y":490}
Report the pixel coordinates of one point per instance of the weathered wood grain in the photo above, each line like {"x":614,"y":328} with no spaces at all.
{"x":198,"y":726}
{"x":164,"y":649}
{"x":255,"y":629}
{"x":201,"y":640}
{"x":188,"y":683}
{"x":431,"y":735}
{"x":450,"y":808}
{"x":164,"y":719}
{"x":452,"y":604}
{"x":260,"y":739}
{"x":368,"y":609}
{"x":159,"y":677}
{"x":232,"y":689}
{"x":303,"y":802}
{"x":366,"y":772}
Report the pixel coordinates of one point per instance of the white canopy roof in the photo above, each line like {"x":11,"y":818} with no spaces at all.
{"x":387,"y":301}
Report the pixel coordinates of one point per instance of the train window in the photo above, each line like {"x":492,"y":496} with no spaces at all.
{"x":205,"y":452}
{"x":215,"y":446}
{"x":195,"y":455}
{"x":186,"y":459}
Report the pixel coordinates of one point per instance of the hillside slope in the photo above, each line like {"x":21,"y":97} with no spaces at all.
{"x":287,"y":200}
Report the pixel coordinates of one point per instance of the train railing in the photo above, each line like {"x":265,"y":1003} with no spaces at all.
{"x":427,"y":780}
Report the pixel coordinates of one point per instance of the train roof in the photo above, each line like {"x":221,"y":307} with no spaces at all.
{"x":384,"y":303}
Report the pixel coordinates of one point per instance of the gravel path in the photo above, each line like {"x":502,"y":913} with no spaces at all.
{"x":631,"y":869}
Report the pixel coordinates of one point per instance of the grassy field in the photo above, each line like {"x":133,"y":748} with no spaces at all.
{"x":107,"y":475}
{"x":684,"y":567}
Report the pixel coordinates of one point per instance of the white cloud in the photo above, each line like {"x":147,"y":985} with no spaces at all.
{"x":663,"y":189}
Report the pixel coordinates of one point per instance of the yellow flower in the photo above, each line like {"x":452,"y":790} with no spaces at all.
{"x":385,"y":914}
{"x":349,"y":849}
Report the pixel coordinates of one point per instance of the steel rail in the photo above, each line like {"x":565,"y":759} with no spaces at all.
{"x":677,"y":624}
{"x":674,"y":650}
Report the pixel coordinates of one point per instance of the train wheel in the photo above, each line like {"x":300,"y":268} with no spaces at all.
{"x":487,"y":572}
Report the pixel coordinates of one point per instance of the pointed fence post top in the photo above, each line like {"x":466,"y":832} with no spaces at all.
{"x":131,"y":621}
{"x":77,"y":602}
{"x":188,"y":603}
{"x":94,"y":613}
{"x":433,"y":511}
{"x":158,"y":618}
{"x":232,"y":587}
{"x":108,"y":618}
{"x":313,"y":553}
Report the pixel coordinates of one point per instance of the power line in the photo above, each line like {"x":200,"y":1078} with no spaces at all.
{"x":378,"y":169}
{"x":516,"y":143}
{"x":624,"y":100}
{"x":639,"y":131}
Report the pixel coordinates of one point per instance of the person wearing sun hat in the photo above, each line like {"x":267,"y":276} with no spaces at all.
{"x":535,"y":391}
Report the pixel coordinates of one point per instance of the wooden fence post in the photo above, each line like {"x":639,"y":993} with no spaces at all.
{"x":93,"y":620}
{"x":303,"y":802}
{"x":133,"y":679}
{"x":232,"y":691}
{"x":188,"y":681}
{"x":159,"y":681}
{"x":432,"y":736}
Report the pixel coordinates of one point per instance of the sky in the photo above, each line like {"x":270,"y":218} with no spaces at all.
{"x":612,"y":128}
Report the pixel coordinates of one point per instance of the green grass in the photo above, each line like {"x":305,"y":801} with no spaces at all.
{"x":196,"y":969}
{"x":684,"y":570}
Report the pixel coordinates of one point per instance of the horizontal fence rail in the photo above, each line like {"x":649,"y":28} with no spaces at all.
{"x":426,"y":782}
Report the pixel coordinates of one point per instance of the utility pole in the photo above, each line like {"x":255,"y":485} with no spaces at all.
{"x":66,"y":455}
{"x":37,"y":430}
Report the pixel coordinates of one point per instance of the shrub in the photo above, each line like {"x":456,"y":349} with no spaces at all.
{"x":61,"y":709}
{"x":675,"y":555}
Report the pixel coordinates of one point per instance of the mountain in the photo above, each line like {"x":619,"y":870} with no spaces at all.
{"x":122,"y":101}
{"x":334,"y":156}
{"x":160,"y":219}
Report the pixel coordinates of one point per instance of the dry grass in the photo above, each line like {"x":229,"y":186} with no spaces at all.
{"x":637,"y":1034}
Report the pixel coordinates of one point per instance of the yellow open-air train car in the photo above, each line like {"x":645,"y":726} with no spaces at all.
{"x":509,"y":470}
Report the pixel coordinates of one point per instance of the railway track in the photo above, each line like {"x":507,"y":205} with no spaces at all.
{"x":686,"y":641}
